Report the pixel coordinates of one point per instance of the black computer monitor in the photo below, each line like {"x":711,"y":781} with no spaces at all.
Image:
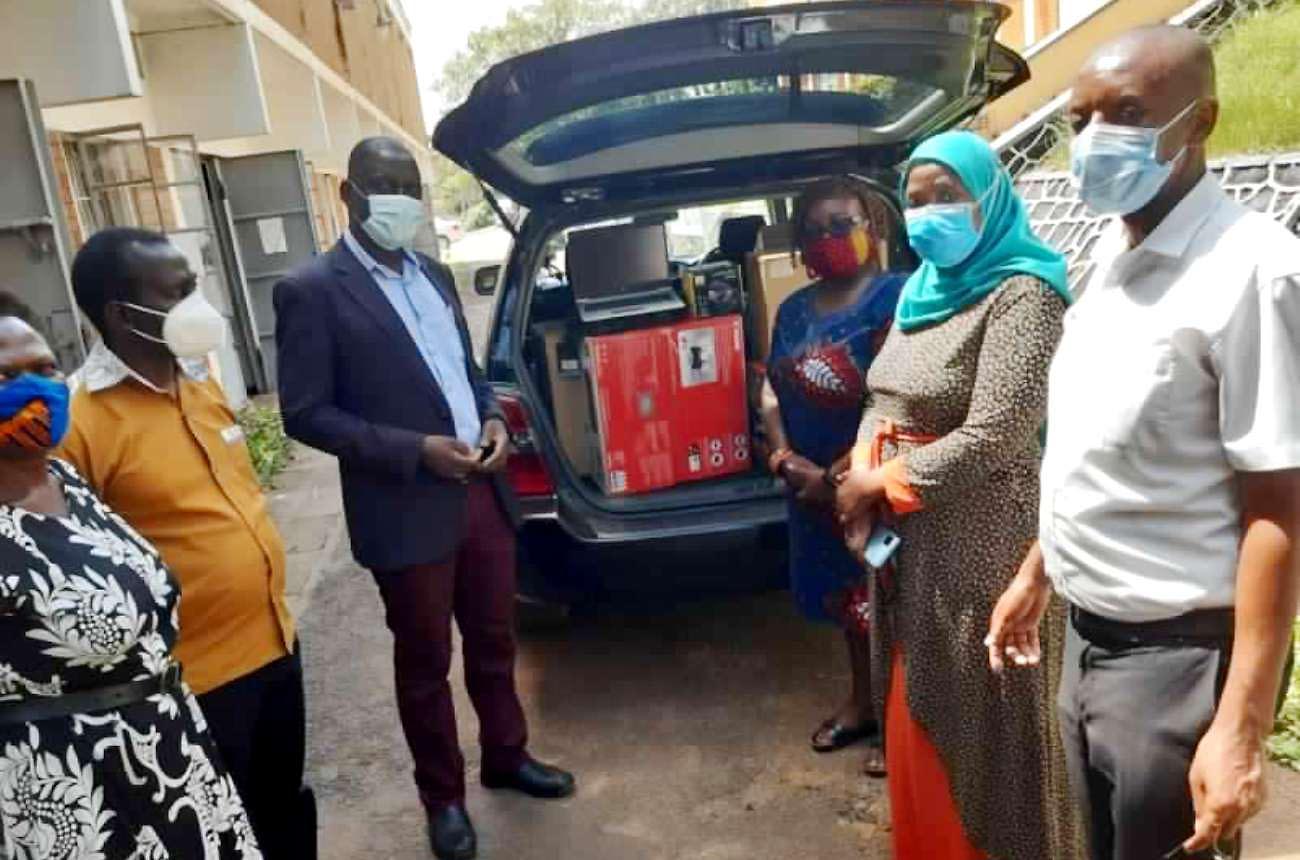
{"x":625,"y":259}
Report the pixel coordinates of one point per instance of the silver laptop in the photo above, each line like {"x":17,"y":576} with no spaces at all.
{"x":621,"y":271}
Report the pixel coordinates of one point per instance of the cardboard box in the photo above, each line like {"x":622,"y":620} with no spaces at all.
{"x":670,"y":404}
{"x":701,"y":300}
{"x":770,"y":278}
{"x":570,"y":397}
{"x":631,"y":388}
{"x":776,"y":237}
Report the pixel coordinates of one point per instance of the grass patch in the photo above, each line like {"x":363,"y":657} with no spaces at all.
{"x":1259,"y":84}
{"x":268,"y":446}
{"x":1284,"y":746}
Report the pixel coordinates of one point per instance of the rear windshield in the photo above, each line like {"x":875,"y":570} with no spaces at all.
{"x":848,"y":98}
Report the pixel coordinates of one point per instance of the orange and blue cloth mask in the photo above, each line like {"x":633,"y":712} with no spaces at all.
{"x":33,"y":413}
{"x":838,"y":253}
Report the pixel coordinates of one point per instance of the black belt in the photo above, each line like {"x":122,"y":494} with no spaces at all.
{"x":1202,"y":627}
{"x":90,"y":701}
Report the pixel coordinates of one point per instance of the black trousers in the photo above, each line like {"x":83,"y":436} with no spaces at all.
{"x":1132,"y":714}
{"x":259,"y":725}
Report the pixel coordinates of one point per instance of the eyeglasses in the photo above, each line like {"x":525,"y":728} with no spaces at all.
{"x":838,"y":227}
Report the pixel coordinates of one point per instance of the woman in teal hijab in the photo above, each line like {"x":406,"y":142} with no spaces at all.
{"x":971,"y":234}
{"x":948,"y":460}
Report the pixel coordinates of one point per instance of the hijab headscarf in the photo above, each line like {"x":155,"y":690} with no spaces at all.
{"x":1007,"y":244}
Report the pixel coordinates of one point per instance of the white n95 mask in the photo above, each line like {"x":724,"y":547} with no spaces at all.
{"x":191,"y":329}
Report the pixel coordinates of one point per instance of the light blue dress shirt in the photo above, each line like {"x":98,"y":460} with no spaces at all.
{"x":431,"y":323}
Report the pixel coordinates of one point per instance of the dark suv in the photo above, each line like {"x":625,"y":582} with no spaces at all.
{"x":705,"y":125}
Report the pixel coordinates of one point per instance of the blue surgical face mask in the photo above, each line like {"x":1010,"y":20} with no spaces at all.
{"x":1117,"y":168}
{"x":395,"y":220}
{"x":943,"y":233}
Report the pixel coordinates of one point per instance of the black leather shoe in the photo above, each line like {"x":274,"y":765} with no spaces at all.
{"x":451,"y":834}
{"x":534,"y":779}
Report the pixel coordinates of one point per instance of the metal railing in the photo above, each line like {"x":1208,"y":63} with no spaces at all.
{"x":1265,"y":183}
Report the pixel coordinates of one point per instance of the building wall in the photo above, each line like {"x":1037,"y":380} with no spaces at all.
{"x":1074,"y":11}
{"x":366,"y":43}
{"x":320,"y":72}
{"x":1053,"y":62}
{"x":1032,"y":21}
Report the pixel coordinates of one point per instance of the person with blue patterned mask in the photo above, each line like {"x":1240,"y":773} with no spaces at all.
{"x":33,"y":399}
{"x":101,"y":740}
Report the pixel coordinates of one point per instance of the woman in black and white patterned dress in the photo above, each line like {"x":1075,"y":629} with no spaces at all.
{"x":104,"y":755}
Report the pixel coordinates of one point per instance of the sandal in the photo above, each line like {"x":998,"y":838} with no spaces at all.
{"x":874,"y":765}
{"x":832,"y":736}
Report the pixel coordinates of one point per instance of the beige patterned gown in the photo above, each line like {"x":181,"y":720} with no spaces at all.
{"x":978,"y":381}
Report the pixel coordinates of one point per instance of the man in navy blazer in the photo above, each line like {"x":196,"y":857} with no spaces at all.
{"x":376,"y":368}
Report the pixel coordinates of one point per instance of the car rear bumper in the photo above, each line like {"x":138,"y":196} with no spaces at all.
{"x":572,"y":554}
{"x":589,"y":525}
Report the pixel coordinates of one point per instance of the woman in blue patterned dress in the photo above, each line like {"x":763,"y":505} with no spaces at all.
{"x":822,"y":343}
{"x":104,"y":754}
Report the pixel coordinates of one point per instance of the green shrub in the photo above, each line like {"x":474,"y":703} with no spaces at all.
{"x":268,"y":446}
{"x":1285,"y":743}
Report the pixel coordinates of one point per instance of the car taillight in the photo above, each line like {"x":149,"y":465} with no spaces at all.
{"x":525,"y":469}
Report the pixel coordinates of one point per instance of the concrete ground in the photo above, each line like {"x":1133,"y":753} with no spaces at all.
{"x":686,"y":726}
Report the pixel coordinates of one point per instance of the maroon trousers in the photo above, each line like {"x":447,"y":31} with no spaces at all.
{"x":477,"y":587}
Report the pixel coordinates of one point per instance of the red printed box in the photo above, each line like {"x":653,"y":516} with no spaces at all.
{"x":671,"y":404}
{"x":631,"y":388}
{"x":710,"y":414}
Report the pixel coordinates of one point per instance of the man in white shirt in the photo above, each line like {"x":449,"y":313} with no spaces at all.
{"x":1171,"y":478}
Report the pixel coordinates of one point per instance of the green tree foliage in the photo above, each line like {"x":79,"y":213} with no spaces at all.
{"x":457,"y":195}
{"x":528,"y":28}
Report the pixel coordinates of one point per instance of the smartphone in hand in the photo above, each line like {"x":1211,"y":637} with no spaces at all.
{"x":881,"y":546}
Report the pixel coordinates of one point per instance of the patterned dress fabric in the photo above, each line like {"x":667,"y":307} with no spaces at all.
{"x":817,"y":368}
{"x":86,"y":603}
{"x":979,"y":382}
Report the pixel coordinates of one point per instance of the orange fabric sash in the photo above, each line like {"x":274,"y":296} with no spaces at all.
{"x":899,"y":493}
